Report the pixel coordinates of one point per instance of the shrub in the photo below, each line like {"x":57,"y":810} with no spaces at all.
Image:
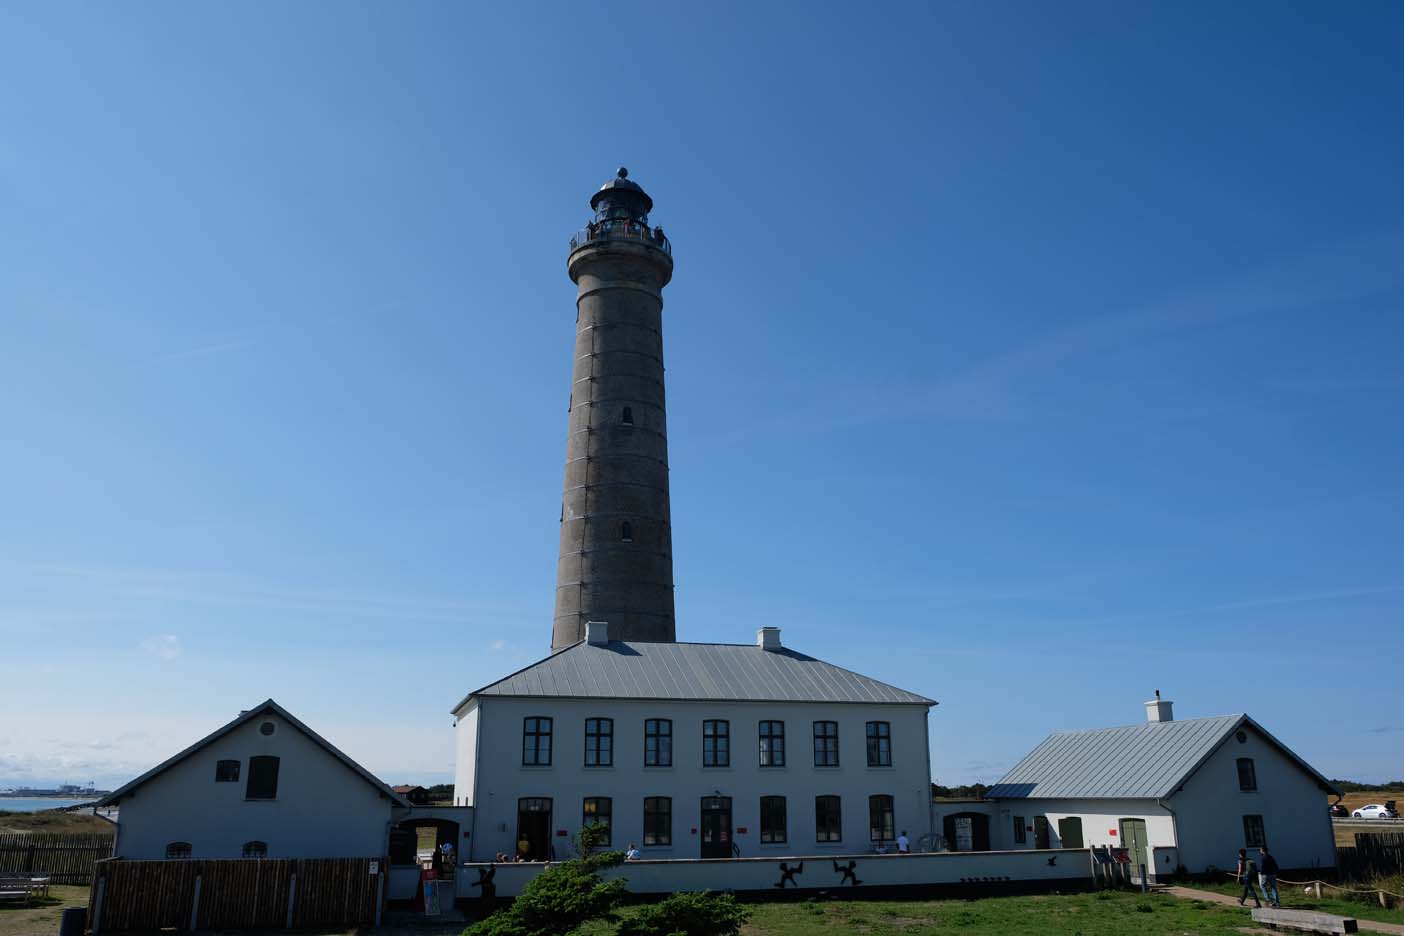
{"x":559,"y":899}
{"x":703,"y":914}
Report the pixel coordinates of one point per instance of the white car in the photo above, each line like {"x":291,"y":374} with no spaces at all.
{"x":1375,"y":811}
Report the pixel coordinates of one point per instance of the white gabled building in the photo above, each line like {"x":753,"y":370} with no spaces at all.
{"x":692,"y":751}
{"x":263,"y":785}
{"x":1174,"y":793}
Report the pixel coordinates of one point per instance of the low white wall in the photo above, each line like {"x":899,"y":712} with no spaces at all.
{"x":821,"y":872}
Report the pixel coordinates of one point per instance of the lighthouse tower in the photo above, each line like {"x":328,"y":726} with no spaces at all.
{"x":616,"y":557}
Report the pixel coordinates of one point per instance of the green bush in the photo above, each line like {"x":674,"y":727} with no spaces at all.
{"x":703,"y":914}
{"x":559,"y":899}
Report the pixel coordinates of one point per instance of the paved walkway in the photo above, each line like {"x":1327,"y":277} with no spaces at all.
{"x":1190,"y":893}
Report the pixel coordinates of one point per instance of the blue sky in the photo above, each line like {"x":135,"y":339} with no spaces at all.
{"x":1028,"y":356}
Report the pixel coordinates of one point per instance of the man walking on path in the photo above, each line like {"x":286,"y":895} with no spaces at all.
{"x":904,"y":844}
{"x":1268,"y":877}
{"x":1247,"y":871}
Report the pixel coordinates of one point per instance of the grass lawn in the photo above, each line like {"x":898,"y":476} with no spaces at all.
{"x":41,"y":917}
{"x":1331,"y":901}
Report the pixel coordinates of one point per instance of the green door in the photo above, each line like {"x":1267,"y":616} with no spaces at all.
{"x":1041,"y":832}
{"x":1070,"y":831}
{"x":1133,"y":839}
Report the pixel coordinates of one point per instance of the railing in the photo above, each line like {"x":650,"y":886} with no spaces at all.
{"x":622,"y":231}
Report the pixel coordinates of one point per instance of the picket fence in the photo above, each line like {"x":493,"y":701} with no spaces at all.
{"x":235,"y":893}
{"x":65,"y":858}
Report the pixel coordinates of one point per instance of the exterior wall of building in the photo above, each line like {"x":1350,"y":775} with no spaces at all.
{"x":323,"y":808}
{"x":983,"y":872}
{"x":1101,"y":821}
{"x":502,"y":780}
{"x":1210,"y":809}
{"x":466,"y":761}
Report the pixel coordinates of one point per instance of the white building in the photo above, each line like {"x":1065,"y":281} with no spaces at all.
{"x":1174,"y":793}
{"x":692,"y":751}
{"x":264,"y":785}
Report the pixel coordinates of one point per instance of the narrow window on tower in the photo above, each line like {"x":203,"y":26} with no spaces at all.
{"x":626,"y":532}
{"x":628,"y":417}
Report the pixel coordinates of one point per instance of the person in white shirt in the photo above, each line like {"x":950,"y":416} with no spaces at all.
{"x":631,"y":853}
{"x":904,"y":845}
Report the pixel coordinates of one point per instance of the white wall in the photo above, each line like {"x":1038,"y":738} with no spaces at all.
{"x":324,"y":809}
{"x":1210,"y":809}
{"x":1101,"y":821}
{"x":981,"y":869}
{"x":466,"y":754}
{"x":501,"y":779}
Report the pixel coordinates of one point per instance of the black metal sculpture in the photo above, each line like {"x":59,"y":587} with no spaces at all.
{"x":787,"y":874}
{"x":847,"y":871}
{"x":485,"y":881}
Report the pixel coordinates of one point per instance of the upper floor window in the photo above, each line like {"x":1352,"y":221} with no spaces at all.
{"x":826,"y":744}
{"x":716,"y":743}
{"x":881,"y":827}
{"x":626,"y":532}
{"x":772,"y":744}
{"x":658,"y":742}
{"x":255,"y":849}
{"x":178,"y":850}
{"x":227,"y":771}
{"x":536,"y":742}
{"x":599,"y":742}
{"x":263,"y":778}
{"x":658,"y":820}
{"x":599,"y":811}
{"x":628,"y":417}
{"x":1247,"y":774}
{"x":828,"y":822}
{"x":879,"y":744}
{"x":772,"y":819}
{"x":1253,"y":833}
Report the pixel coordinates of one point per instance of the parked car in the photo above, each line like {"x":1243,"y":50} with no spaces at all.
{"x":1338,"y":811}
{"x":1375,"y":811}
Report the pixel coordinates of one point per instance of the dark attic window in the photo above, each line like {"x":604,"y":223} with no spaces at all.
{"x":255,"y":849}
{"x":178,"y":850}
{"x":227,"y":771}
{"x":626,"y":532}
{"x":628,"y":417}
{"x":263,"y":778}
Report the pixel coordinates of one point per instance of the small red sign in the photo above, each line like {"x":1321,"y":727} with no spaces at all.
{"x":562,"y":833}
{"x":740,"y":830}
{"x":1112,"y":833}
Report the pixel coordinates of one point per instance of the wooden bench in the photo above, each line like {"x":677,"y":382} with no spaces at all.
{"x":16,"y":888}
{"x":1306,"y":921}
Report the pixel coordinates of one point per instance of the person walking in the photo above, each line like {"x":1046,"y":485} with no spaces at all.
{"x":904,"y":844}
{"x":1247,"y":871}
{"x":1267,"y":877}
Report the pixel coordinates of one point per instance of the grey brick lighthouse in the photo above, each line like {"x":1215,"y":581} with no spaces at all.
{"x":616,"y":559}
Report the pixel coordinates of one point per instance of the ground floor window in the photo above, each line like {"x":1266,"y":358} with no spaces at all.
{"x":772,"y":819}
{"x":1020,"y":831}
{"x":658,"y":821}
{"x":1253,"y":833}
{"x":598,"y":812}
{"x":828,"y":825}
{"x":881,"y":827}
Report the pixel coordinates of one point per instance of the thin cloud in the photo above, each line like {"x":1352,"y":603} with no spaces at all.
{"x":162,"y":646}
{"x":499,"y":645}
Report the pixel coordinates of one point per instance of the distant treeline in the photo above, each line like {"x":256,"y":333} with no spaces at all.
{"x":1350,"y":786}
{"x":440,"y":791}
{"x":969,"y":791}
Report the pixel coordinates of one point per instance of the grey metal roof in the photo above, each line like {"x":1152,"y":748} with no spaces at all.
{"x":267,"y":705}
{"x":1149,"y":761}
{"x":693,"y":672}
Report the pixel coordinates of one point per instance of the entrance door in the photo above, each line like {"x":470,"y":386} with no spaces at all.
{"x":716,"y":827}
{"x":967,"y":832}
{"x":1070,"y":831}
{"x":1041,"y":832}
{"x":1133,"y":839}
{"x":534,"y":829}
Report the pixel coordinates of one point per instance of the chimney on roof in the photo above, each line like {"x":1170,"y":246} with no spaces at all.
{"x":1159,"y":710}
{"x":597,"y":633}
{"x":768,"y":638}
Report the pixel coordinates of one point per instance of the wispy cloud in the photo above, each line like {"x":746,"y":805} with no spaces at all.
{"x":499,"y":645}
{"x":162,"y":646}
{"x":203,"y":350}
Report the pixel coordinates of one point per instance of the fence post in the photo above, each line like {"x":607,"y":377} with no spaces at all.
{"x":195,"y":905}
{"x":379,"y":893}
{"x":292,"y":898}
{"x":29,"y":859}
{"x":97,"y":904}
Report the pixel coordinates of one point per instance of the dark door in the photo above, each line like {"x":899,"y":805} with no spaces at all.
{"x":1041,"y":832}
{"x":716,"y":827}
{"x":1133,"y":839}
{"x":1070,"y":831}
{"x":533,"y":829}
{"x":967,"y":832}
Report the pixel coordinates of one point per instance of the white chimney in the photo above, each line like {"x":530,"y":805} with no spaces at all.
{"x":597,"y":633}
{"x":1159,"y":710}
{"x":768,"y":638}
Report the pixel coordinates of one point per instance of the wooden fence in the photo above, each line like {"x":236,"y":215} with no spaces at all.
{"x":236,"y":893}
{"x":1376,"y":854}
{"x":67,"y":858}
